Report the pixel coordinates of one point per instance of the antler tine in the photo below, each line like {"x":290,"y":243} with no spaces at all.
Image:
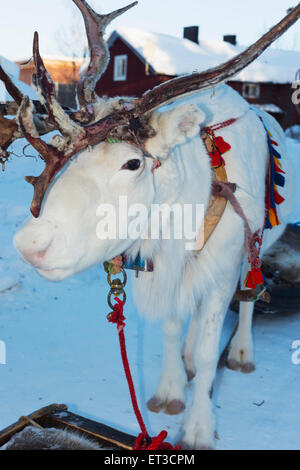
{"x":95,"y":25}
{"x":8,"y":127}
{"x":61,"y":148}
{"x":46,"y":90}
{"x":114,"y":14}
{"x":14,"y":92}
{"x":50,"y":155}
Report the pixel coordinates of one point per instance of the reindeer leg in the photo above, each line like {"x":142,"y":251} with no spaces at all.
{"x":240,"y":349}
{"x":170,"y":394}
{"x":189,"y":347}
{"x":224,"y":355}
{"x":199,"y":423}
{"x":241,"y":346}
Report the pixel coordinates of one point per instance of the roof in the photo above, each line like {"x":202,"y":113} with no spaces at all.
{"x":174,"y":56}
{"x":14,"y":72}
{"x":52,"y":58}
{"x":269,"y":108}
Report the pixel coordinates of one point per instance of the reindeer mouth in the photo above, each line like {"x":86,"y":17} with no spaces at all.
{"x":55,"y":274}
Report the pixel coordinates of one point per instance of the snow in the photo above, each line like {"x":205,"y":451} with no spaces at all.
{"x":61,"y":349}
{"x":293,"y":132}
{"x":270,"y":108}
{"x":174,"y":56}
{"x":14,"y":72}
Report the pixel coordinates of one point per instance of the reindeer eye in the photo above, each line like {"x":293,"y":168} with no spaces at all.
{"x":132,"y":165}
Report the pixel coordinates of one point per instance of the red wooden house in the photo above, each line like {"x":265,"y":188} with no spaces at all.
{"x":141,"y":60}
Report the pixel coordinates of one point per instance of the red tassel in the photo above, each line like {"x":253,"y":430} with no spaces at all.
{"x":222,"y":145}
{"x":277,"y":169}
{"x":254,"y":278}
{"x":278,"y":199}
{"x":215,"y":159}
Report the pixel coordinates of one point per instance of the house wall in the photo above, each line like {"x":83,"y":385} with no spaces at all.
{"x":138,"y":81}
{"x":278,"y":94}
{"x":61,"y":71}
{"x":64,"y":73}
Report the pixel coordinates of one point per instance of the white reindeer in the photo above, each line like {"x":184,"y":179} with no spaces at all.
{"x":62,"y":240}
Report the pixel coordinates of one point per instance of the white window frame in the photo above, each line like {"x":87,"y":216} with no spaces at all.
{"x":253,"y":90}
{"x":118,"y":61}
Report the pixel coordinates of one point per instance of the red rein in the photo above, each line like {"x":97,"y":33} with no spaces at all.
{"x":143,"y":441}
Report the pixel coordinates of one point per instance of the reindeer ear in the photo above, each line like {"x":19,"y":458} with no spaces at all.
{"x":173,"y":128}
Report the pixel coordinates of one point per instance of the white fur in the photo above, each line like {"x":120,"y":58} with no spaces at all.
{"x":63,"y":240}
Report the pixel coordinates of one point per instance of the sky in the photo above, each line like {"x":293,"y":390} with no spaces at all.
{"x":54,"y":20}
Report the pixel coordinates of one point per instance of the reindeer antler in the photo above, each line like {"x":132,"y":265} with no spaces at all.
{"x":74,"y":135}
{"x":95,"y":25}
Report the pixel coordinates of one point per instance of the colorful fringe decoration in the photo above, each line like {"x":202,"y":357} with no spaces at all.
{"x":276,"y":178}
{"x":273,"y":199}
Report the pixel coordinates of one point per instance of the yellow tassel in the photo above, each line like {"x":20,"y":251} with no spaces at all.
{"x":278,"y":163}
{"x":273,"y":217}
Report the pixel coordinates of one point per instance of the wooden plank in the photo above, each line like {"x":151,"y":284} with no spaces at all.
{"x":92,"y":429}
{"x":58,"y":416}
{"x":7,"y":433}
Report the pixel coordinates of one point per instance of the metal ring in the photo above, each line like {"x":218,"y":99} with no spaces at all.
{"x":122,"y":283}
{"x":109,"y":298}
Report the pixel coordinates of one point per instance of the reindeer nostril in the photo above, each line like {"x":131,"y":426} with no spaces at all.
{"x":35,"y":256}
{"x":41,"y":254}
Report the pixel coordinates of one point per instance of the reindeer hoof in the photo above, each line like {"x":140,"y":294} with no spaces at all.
{"x":185,"y":446}
{"x":233,"y":364}
{"x":174,"y":407}
{"x":247,"y":368}
{"x":155,"y":404}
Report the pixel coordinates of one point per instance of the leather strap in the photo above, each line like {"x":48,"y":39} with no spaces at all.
{"x":217,"y":204}
{"x":216,"y":208}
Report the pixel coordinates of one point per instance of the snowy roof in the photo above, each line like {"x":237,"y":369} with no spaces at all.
{"x":54,"y":58}
{"x":269,"y":108}
{"x":14,"y":72}
{"x":174,"y":56}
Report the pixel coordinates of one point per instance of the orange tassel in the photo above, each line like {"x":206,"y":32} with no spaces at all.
{"x":273,"y":217}
{"x":276,"y":161}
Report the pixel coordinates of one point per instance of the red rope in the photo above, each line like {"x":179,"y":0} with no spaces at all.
{"x":143,"y":441}
{"x":211,"y":129}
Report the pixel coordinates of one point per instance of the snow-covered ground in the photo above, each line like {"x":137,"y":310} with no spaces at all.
{"x":60,"y":348}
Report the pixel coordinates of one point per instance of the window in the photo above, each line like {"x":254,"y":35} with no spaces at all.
{"x":251,"y":90}
{"x":120,"y":67}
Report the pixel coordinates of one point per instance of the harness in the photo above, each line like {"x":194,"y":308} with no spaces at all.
{"x":222,"y":192}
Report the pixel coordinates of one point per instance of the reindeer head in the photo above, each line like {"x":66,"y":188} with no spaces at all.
{"x":116,"y":144}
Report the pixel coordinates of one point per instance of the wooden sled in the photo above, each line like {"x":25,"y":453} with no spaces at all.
{"x":282,"y":274}
{"x":58,"y":416}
